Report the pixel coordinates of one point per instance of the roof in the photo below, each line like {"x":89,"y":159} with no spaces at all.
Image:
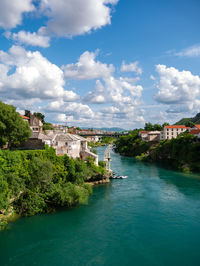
{"x":154,"y":132}
{"x":195,"y":131}
{"x":144,"y":131}
{"x":24,"y":117}
{"x":197,"y":126}
{"x":69,"y":137}
{"x":177,"y":126}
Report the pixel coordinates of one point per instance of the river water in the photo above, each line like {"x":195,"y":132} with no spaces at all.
{"x":150,"y":218}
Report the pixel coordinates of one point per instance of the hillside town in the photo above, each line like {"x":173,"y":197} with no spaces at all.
{"x":59,"y":138}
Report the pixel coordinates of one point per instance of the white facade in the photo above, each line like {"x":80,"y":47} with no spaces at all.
{"x":171,"y":132}
{"x":64,"y":143}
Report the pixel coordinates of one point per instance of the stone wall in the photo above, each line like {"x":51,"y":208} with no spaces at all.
{"x":32,"y":144}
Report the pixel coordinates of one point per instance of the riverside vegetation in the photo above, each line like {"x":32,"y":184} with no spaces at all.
{"x":38,"y":181}
{"x":182,"y":153}
{"x":33,"y":182}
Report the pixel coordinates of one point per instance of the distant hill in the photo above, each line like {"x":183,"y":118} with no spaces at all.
{"x":189,"y":121}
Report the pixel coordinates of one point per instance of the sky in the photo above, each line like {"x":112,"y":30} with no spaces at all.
{"x":101,"y":63}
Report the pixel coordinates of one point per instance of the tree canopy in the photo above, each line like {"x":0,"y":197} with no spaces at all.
{"x":13,"y":129}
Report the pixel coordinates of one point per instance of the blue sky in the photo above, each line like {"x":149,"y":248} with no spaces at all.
{"x":101,"y":63}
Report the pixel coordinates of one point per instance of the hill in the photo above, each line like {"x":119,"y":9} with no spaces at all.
{"x":189,"y":121}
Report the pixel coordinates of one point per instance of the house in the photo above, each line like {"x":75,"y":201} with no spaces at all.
{"x":150,"y":135}
{"x":153,"y":136}
{"x":35,"y":124}
{"x":25,"y":118}
{"x":170,"y":132}
{"x":144,"y":135}
{"x":65,"y":143}
{"x":195,"y":130}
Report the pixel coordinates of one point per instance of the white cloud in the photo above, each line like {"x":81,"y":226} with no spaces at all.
{"x":192,"y":51}
{"x":87,"y":68}
{"x":132,"y":67}
{"x":11,"y":12}
{"x":115,"y":90}
{"x":179,"y":89}
{"x":26,"y":74}
{"x":75,"y":17}
{"x":75,"y":109}
{"x":28,"y":38}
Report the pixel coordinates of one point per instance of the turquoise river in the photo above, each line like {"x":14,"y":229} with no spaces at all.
{"x":150,"y":218}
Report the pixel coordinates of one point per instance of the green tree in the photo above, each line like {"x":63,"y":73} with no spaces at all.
{"x":13,"y":129}
{"x":27,"y":113}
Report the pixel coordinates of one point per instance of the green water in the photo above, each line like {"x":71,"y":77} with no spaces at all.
{"x":150,"y":218}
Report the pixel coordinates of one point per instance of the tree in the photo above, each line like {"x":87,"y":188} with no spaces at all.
{"x":151,"y":127}
{"x":13,"y":129}
{"x":165,"y":124}
{"x":27,"y":113}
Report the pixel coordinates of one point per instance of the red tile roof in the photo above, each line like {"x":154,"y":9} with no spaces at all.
{"x":24,"y":117}
{"x":144,"y":131}
{"x":195,"y":131}
{"x":177,"y":126}
{"x":197,"y":126}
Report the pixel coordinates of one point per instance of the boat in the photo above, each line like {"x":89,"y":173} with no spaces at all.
{"x":119,"y":177}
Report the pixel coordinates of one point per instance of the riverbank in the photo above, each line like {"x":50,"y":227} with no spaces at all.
{"x":181,"y":153}
{"x":33,"y":182}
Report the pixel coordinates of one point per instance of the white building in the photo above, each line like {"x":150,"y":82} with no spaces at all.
{"x":171,"y":132}
{"x":65,"y":143}
{"x":150,"y":135}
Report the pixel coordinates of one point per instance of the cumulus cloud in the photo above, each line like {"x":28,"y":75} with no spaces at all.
{"x":75,"y":17}
{"x":192,"y":51}
{"x":113,"y":91}
{"x":75,"y":109}
{"x":87,"y":68}
{"x":179,"y":89}
{"x":11,"y":12}
{"x":28,"y":38}
{"x":132,"y":67}
{"x":26,"y":74}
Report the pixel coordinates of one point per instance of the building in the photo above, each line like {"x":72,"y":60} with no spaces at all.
{"x":35,"y":124}
{"x":195,"y":130}
{"x":153,"y":136}
{"x":94,"y":138}
{"x":144,"y":135}
{"x":150,"y":135}
{"x":25,"y":118}
{"x":170,"y":132}
{"x":71,"y":144}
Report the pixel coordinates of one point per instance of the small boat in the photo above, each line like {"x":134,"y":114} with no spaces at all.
{"x":123,"y":176}
{"x":119,"y":177}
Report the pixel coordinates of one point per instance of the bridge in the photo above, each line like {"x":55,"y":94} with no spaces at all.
{"x":113,"y":135}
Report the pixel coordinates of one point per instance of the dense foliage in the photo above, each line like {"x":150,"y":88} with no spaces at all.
{"x":182,"y":153}
{"x":131,"y":145}
{"x":32,"y":182}
{"x":104,"y":141}
{"x":154,"y":127}
{"x":13,"y":129}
